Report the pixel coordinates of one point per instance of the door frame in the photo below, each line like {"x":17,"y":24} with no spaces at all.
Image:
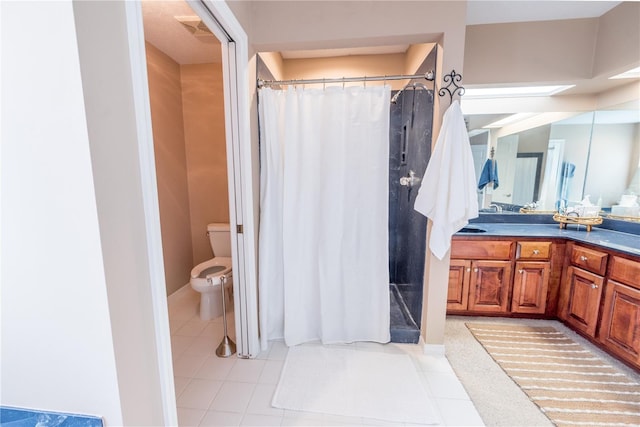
{"x":220,"y":20}
{"x":235,"y":64}
{"x":536,"y":183}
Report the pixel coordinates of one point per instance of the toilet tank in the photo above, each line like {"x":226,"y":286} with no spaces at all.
{"x":220,"y":239}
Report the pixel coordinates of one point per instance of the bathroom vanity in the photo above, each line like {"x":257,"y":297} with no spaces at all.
{"x":589,"y":280}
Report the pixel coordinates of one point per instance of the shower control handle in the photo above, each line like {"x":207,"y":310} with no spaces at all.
{"x":410,"y":180}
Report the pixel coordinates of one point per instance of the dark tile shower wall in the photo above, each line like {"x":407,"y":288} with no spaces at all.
{"x":410,"y":149}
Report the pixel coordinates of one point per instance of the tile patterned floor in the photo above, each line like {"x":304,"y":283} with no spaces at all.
{"x":213,"y":391}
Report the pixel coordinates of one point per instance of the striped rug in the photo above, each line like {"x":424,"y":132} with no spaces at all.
{"x":570,"y":384}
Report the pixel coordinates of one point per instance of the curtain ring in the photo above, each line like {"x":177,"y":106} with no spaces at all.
{"x":324,"y":83}
{"x":365,"y":82}
{"x":384,"y":82}
{"x":343,"y":81}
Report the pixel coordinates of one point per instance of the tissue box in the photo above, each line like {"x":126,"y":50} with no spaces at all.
{"x":587,"y":211}
{"x":618,"y":210}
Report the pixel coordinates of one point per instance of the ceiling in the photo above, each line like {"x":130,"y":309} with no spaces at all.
{"x":163,"y":30}
{"x":494,"y":12}
{"x":167,"y":34}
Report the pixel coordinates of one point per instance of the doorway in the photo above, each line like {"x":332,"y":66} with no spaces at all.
{"x":215,"y":20}
{"x":234,"y":49}
{"x":526,"y":185}
{"x":184,"y":70}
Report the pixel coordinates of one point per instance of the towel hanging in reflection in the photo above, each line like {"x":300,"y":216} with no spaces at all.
{"x":447,"y":194}
{"x":489,"y":174}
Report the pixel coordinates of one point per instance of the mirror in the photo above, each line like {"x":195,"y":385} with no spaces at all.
{"x":557,"y":163}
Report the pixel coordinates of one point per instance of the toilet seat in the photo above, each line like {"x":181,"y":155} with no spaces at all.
{"x":214,"y":269}
{"x":205,"y":278}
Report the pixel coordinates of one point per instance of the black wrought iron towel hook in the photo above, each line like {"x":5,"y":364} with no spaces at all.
{"x":452,"y":88}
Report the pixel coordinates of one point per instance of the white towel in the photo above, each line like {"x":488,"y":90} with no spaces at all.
{"x":447,"y":194}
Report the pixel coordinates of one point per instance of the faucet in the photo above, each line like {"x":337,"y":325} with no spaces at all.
{"x":410,"y":180}
{"x":498,"y":208}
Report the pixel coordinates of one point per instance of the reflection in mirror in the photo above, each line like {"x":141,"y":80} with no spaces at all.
{"x":558,"y":164}
{"x":614,"y":161}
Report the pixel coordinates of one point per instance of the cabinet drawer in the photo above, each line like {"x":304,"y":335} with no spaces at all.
{"x":481,"y":249}
{"x":625,"y":271}
{"x":533,"y":250}
{"x":594,"y":261}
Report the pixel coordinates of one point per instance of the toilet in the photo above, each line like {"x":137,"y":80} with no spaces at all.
{"x":216,"y":269}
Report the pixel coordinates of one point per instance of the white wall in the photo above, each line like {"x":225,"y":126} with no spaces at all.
{"x":79,"y":255}
{"x":57,"y":351}
{"x":126,"y":198}
{"x":611,"y":162}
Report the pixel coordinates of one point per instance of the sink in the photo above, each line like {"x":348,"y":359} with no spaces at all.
{"x":470,"y":229}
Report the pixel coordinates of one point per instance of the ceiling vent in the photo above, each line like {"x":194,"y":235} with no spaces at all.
{"x":194,"y":25}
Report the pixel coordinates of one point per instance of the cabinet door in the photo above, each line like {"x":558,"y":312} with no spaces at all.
{"x":582,"y":292}
{"x":458,"y":292}
{"x":489,"y":286}
{"x":620,"y":327}
{"x":530,"y":286}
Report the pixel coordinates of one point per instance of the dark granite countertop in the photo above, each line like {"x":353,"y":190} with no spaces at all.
{"x":615,"y":240}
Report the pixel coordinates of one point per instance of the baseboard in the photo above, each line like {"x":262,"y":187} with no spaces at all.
{"x":433,"y":349}
{"x":174,"y":296}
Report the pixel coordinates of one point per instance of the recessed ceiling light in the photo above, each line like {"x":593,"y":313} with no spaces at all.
{"x":509,"y":92}
{"x":509,"y":120}
{"x":634,"y":73}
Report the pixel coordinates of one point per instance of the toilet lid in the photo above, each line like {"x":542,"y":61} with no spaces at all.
{"x":211,"y":270}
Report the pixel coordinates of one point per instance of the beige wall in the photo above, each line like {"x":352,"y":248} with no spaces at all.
{"x":187,"y":111}
{"x":553,"y":51}
{"x":274,"y":62}
{"x":165,"y":93}
{"x":205,"y":145}
{"x":618,"y":39}
{"x":530,"y":51}
{"x":276,"y":26}
{"x":346,"y":66}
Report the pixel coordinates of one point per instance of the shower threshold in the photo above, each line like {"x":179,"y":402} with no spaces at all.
{"x":403,"y":327}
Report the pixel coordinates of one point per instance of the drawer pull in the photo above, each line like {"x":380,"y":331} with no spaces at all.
{"x":520,"y":271}
{"x":594,"y":286}
{"x":475,"y":270}
{"x":536,"y":252}
{"x":468,"y":269}
{"x":583,"y":258}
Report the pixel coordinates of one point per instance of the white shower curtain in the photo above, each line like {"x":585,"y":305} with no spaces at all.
{"x":323,"y":261}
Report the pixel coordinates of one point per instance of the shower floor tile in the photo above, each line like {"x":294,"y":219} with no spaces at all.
{"x":238,"y":391}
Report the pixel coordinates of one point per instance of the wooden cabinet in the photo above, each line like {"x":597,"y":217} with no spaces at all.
{"x":594,"y":291}
{"x":531,"y":278}
{"x":582,"y":287}
{"x":458,"y":292}
{"x":480,"y":276}
{"x":620,"y":325}
{"x":581,"y":292}
{"x":489,"y":286}
{"x":530,"y":287}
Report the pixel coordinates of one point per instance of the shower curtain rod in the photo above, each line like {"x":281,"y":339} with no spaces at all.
{"x":427,"y":76}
